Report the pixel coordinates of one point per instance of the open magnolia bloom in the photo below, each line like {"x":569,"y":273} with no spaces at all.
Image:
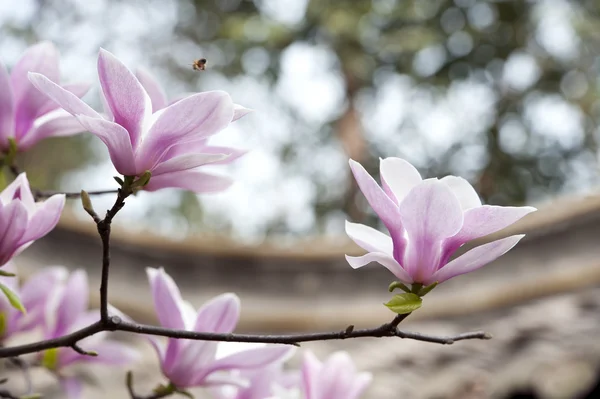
{"x":428,"y":220}
{"x":262,"y":382}
{"x":22,"y":220}
{"x":66,"y":311}
{"x":25,"y":116}
{"x":34,"y":294}
{"x":170,"y":143}
{"x":336,"y":378}
{"x":190,"y":363}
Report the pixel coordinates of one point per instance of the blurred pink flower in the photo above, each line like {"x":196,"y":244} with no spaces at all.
{"x":25,"y":114}
{"x":336,"y":378}
{"x":34,"y":294}
{"x":22,"y":220}
{"x":67,"y":311}
{"x":263,"y":382}
{"x":189,"y":363}
{"x":428,"y":220}
{"x":170,"y":143}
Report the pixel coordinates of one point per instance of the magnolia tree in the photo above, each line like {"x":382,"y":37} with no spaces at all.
{"x":155,"y":143}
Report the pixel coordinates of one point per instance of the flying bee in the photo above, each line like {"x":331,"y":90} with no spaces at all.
{"x":199,"y":65}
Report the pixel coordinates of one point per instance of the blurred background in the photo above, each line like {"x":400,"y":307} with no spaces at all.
{"x":503,"y":93}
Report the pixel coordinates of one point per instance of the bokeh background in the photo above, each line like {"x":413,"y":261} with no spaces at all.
{"x":503,"y":93}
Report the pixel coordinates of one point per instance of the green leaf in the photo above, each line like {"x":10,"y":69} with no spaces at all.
{"x":6,"y":274}
{"x":404,"y":303}
{"x":2,"y":325}
{"x":13,"y":298}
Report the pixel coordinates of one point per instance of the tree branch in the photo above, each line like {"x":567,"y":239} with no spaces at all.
{"x":41,"y":194}
{"x":114,"y":323}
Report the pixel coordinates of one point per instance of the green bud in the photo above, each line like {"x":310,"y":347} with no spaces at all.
{"x":86,"y":202}
{"x":50,"y":358}
{"x":13,"y":299}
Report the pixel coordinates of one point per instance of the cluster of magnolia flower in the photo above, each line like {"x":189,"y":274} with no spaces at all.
{"x":158,"y":144}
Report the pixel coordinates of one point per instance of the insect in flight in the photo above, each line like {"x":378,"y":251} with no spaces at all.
{"x":199,"y":65}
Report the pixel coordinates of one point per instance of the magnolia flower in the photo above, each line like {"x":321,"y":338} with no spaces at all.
{"x":34,"y":294}
{"x":169,"y":143}
{"x":264,"y":382}
{"x":428,"y":220}
{"x":67,"y":311}
{"x":159,"y":101}
{"x":25,"y":115}
{"x":22,"y":220}
{"x":190,"y":363}
{"x":336,"y":378}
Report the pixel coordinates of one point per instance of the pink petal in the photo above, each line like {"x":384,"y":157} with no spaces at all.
{"x":44,"y":219}
{"x":13,"y":224}
{"x":185,"y":162}
{"x":72,"y":387}
{"x":431,"y":213}
{"x":398,"y":177}
{"x":488,"y":219}
{"x":378,"y":199}
{"x":369,"y":239}
{"x":193,"y":118}
{"x":35,"y":294}
{"x":158,"y":347}
{"x":113,"y":353}
{"x":225,"y":379}
{"x":166,"y":297}
{"x":336,"y":376}
{"x":239,"y":111}
{"x":7,"y":108}
{"x":464,"y":191}
{"x":311,"y":367}
{"x":359,"y":385}
{"x":57,"y":126}
{"x":192,"y":180}
{"x":117,"y":141}
{"x":153,"y":88}
{"x":19,"y":188}
{"x":220,"y":314}
{"x":186,"y":361}
{"x":41,"y":58}
{"x":474,"y":259}
{"x":74,"y":301}
{"x":67,"y":100}
{"x":128,"y":101}
{"x":79,"y":89}
{"x":251,"y":358}
{"x":201,"y":147}
{"x":385,"y":260}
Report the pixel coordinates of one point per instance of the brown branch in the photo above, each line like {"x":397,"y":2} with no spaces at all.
{"x":114,"y":323}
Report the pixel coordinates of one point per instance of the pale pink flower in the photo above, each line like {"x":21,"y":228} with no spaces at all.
{"x":67,"y":311}
{"x":170,"y":143}
{"x":22,"y":220}
{"x":336,"y":378}
{"x":428,"y":220}
{"x":190,"y":363}
{"x":26,"y":115}
{"x":34,"y":294}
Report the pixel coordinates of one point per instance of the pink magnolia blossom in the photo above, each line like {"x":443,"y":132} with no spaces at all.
{"x":336,"y":378}
{"x":67,"y":311}
{"x":25,"y":115}
{"x":22,"y":220}
{"x":428,"y":220}
{"x":170,"y":143}
{"x":34,"y":294}
{"x":263,"y":382}
{"x":189,"y":363}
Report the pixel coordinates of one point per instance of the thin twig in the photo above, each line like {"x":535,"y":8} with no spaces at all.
{"x":114,"y":323}
{"x":41,"y":194}
{"x":104,"y":231}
